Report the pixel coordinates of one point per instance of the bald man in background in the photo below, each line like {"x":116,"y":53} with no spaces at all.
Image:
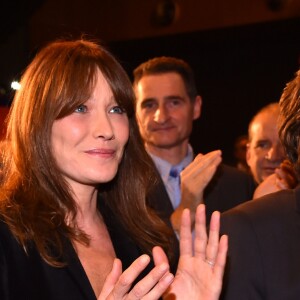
{"x":265,"y":154}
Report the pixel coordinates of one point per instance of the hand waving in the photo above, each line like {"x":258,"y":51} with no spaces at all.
{"x":200,"y":270}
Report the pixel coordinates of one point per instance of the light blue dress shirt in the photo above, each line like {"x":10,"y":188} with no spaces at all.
{"x":172,"y":183}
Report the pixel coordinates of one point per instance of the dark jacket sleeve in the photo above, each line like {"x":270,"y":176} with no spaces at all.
{"x":228,"y":188}
{"x":264,"y":246}
{"x":244,"y":276}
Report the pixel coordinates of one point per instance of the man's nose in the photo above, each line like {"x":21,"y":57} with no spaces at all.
{"x":276,"y":153}
{"x":161,"y":115}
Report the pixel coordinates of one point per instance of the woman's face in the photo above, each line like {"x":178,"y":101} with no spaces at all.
{"x":88,"y":144}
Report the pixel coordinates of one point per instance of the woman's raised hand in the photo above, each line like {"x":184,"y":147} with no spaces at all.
{"x":202,"y":263}
{"x":200,"y":269}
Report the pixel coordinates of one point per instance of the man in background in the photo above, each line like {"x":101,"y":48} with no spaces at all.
{"x":167,"y":103}
{"x":265,"y":154}
{"x":240,"y":149}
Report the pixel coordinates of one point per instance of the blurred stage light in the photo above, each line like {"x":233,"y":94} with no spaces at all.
{"x":15,"y":85}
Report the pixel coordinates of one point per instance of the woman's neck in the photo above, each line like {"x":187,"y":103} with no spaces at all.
{"x":85,"y":198}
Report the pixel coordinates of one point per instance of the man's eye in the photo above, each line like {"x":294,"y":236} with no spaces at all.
{"x":263,"y":145}
{"x":81,"y":109}
{"x":117,"y":110}
{"x":175,"y":102}
{"x":148,"y":105}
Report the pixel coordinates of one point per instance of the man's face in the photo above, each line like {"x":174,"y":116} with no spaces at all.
{"x":265,"y":152}
{"x":165,"y":112}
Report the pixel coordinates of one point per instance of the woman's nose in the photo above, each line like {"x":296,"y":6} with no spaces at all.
{"x":103,"y":127}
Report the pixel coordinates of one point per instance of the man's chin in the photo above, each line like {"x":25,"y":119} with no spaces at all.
{"x":164,"y":145}
{"x":166,"y":141}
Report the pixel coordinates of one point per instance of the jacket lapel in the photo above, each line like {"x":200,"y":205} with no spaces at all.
{"x":77,"y":273}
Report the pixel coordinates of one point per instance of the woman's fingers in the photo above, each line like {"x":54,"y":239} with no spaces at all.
{"x":185,"y":242}
{"x":200,"y":232}
{"x":156,"y":282}
{"x":127,"y":278}
{"x":153,"y":285}
{"x":111,"y":279}
{"x":117,"y":285}
{"x":207,"y":247}
{"x":213,"y":239}
{"x":220,"y":262}
{"x":199,"y":274}
{"x":159,"y":256}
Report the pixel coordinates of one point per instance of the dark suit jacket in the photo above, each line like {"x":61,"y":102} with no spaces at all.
{"x":228,"y":188}
{"x":264,"y":248}
{"x":28,"y":277}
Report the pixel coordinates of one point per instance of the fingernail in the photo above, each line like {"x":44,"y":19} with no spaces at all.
{"x":169,"y":278}
{"x":144,"y":259}
{"x":163,"y":267}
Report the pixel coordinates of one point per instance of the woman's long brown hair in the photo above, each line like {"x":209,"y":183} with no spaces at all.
{"x":34,"y":197}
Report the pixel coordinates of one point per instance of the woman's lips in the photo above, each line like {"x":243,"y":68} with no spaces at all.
{"x":102,"y":152}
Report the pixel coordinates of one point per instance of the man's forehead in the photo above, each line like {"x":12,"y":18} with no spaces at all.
{"x":263,"y":131}
{"x":161,"y":79}
{"x":264,"y":120}
{"x":160,"y":86}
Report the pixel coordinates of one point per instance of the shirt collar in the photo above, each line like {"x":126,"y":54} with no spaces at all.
{"x":164,"y":166}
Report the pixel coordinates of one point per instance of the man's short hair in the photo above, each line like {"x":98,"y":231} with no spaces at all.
{"x":164,"y":64}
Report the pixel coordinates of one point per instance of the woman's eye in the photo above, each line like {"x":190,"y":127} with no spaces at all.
{"x":81,"y":109}
{"x":117,"y":110}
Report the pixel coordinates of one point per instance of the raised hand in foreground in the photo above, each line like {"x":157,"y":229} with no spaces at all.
{"x":200,"y":269}
{"x":201,"y":264}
